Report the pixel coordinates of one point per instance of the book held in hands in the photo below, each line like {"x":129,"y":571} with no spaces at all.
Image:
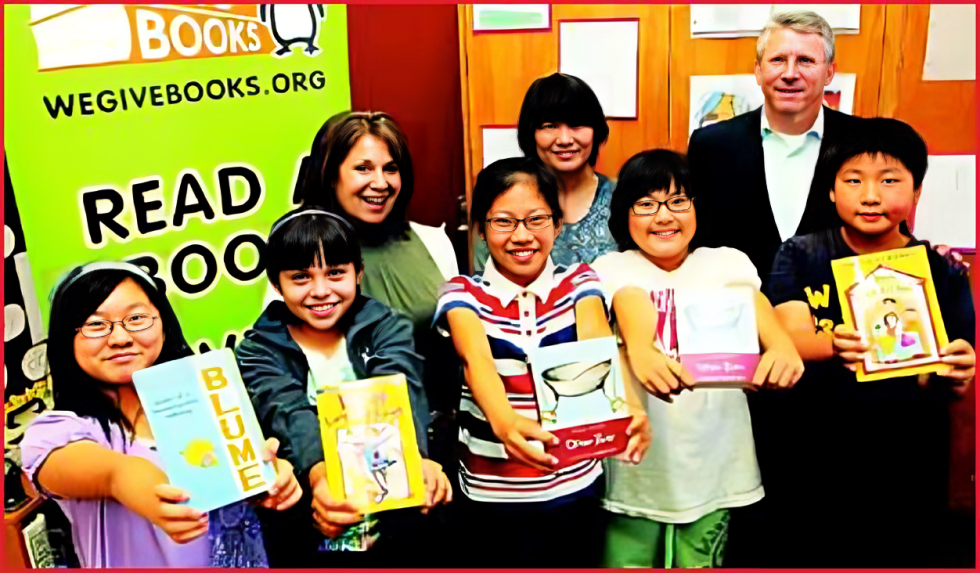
{"x":717,"y":335}
{"x":370,"y":451}
{"x":890,"y":299}
{"x":581,"y":398}
{"x":205,"y":428}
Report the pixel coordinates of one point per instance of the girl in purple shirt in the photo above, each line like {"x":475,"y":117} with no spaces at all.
{"x":95,"y":454}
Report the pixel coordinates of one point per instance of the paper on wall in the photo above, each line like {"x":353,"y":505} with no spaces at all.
{"x":604,"y":54}
{"x":500,"y":143}
{"x":946,"y":213}
{"x":497,"y":17}
{"x":746,"y":20}
{"x":717,"y":98}
{"x":951,"y":47}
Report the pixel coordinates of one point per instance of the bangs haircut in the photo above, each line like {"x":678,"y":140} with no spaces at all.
{"x":72,"y":304}
{"x":643,"y":174}
{"x":503,"y":174}
{"x":311,"y":241}
{"x":560,"y":98}
{"x":874,"y":137}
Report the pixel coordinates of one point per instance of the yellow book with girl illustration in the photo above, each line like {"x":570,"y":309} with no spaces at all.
{"x":370,"y":452}
{"x":889,"y":297}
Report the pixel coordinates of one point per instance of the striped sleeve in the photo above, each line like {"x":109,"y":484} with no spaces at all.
{"x":458,"y":292}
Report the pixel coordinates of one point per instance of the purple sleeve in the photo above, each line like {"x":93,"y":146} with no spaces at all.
{"x":50,"y":431}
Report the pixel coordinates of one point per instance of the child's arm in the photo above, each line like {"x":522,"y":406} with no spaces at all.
{"x":590,"y":318}
{"x":513,"y":429}
{"x":86,"y":470}
{"x":781,"y":365}
{"x":637,"y":319}
{"x":812,"y":344}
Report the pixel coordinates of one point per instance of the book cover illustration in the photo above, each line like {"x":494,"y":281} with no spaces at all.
{"x":581,"y":398}
{"x":370,"y":452}
{"x":889,"y":297}
{"x":205,"y":429}
{"x":717,"y":335}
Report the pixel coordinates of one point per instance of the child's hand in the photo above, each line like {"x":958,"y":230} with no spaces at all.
{"x":849,"y":345}
{"x":961,"y":356}
{"x":437,"y":487}
{"x":640,"y":439}
{"x":286,"y":491}
{"x":660,"y":375}
{"x":780,"y":367}
{"x":514,"y":432}
{"x":182,"y":523}
{"x":330,"y":517}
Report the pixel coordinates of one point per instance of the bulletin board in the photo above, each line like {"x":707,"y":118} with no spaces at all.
{"x":497,"y":69}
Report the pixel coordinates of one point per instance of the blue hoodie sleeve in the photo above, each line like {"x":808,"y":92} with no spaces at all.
{"x":393,"y":347}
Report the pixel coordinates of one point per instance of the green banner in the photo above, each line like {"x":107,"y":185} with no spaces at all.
{"x":170,"y":135}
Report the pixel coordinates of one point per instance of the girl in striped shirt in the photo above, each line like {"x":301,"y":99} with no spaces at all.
{"x":520,"y":508}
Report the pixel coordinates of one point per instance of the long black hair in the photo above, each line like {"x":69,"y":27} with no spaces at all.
{"x":331,"y":146}
{"x":76,"y":298}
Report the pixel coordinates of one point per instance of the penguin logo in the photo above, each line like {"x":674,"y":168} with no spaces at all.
{"x":292,"y":24}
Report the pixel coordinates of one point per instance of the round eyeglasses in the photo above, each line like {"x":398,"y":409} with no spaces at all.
{"x":102,"y":328}
{"x":509,"y":224}
{"x":646,"y":207}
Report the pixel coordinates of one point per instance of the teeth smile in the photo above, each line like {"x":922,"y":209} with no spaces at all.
{"x":522,"y":253}
{"x":664,"y":233}
{"x":322,"y":307}
{"x":376,"y":200}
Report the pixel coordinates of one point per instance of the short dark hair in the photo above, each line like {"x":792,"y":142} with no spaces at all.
{"x":306,"y":240}
{"x":873,"y":137}
{"x":560,"y":98}
{"x":332,"y":145}
{"x":74,"y":301}
{"x":501,"y":175}
{"x":645,"y":173}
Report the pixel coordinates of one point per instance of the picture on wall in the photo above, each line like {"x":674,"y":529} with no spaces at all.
{"x":717,"y":98}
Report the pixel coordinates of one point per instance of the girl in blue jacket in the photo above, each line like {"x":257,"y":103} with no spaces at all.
{"x":324,"y":325}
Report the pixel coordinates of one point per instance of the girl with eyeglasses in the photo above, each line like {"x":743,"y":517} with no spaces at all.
{"x":95,"y":455}
{"x":671,"y":508}
{"x":517,"y":507}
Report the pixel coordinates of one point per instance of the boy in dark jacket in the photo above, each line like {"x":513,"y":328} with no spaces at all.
{"x":864,"y":482}
{"x":324,"y":327}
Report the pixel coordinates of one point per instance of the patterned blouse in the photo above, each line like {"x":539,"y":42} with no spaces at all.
{"x":580,"y":242}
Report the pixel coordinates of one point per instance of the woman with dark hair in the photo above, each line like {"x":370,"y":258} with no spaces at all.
{"x":95,"y":454}
{"x":562,"y":126}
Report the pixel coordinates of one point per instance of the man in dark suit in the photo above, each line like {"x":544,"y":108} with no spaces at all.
{"x":753,"y":174}
{"x":754,"y":179}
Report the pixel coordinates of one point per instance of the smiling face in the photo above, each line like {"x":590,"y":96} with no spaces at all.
{"x":368,"y":181}
{"x":113,"y":359}
{"x":793,"y":72}
{"x":319,"y":295}
{"x":664,"y":236}
{"x":520,"y":255}
{"x":563,"y":148}
{"x":874,"y":195}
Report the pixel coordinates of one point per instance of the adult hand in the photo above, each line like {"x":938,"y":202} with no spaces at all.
{"x":780,"y":367}
{"x":438,"y":489}
{"x":849,"y":345}
{"x":286,"y":491}
{"x":514,"y":431}
{"x":640,"y":438}
{"x":330,"y":516}
{"x":660,"y":375}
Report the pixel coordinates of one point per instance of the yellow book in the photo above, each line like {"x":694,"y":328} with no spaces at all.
{"x":890,"y":298}
{"x":370,"y":452}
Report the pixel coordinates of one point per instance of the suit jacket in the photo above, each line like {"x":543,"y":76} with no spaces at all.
{"x":729,"y":180}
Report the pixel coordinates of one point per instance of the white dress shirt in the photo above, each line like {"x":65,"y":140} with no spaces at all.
{"x":790,"y":161}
